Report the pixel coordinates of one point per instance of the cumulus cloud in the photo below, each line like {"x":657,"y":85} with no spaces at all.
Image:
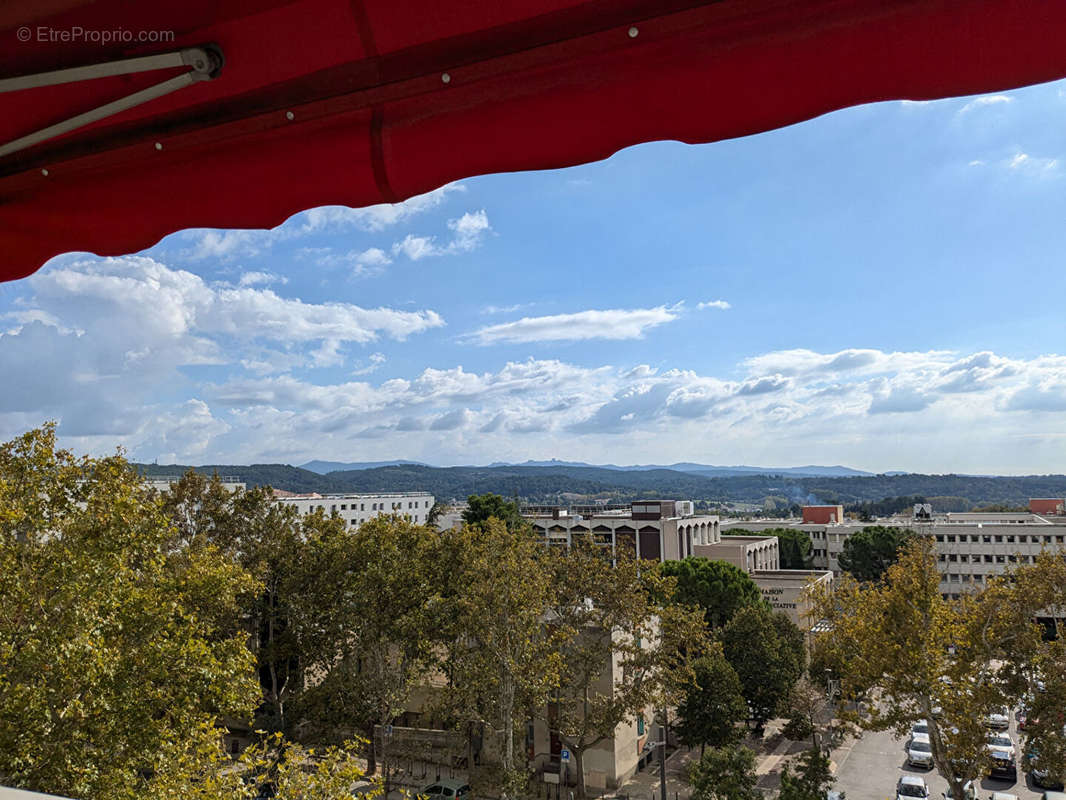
{"x":719,"y":304}
{"x":468,"y":231}
{"x":99,"y":339}
{"x":985,"y":101}
{"x":229,"y":244}
{"x":261,"y":279}
{"x":607,"y":324}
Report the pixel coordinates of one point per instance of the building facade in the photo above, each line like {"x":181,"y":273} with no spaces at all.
{"x":355,"y":509}
{"x":657,"y":530}
{"x":970,"y":547}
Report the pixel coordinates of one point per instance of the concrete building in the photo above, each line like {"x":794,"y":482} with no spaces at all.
{"x":783,"y":590}
{"x":356,"y":509}
{"x":970,"y":546}
{"x":750,"y":553}
{"x":230,"y":483}
{"x":659,"y":530}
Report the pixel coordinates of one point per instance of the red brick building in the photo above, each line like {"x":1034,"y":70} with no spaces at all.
{"x":1047,"y":505}
{"x":823,"y":515}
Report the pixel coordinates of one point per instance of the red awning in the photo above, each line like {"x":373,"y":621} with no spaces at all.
{"x":357,"y":102}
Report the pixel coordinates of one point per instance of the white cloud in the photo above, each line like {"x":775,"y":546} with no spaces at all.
{"x":261,"y":279}
{"x":101,"y":340}
{"x":491,"y":309}
{"x":417,"y":247}
{"x":987,"y":100}
{"x":230,"y":244}
{"x":719,"y":304}
{"x":372,"y":218}
{"x":612,"y":324}
{"x":1033,"y":165}
{"x":468,"y":231}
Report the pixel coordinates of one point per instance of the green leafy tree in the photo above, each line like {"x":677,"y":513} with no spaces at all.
{"x":871,"y":551}
{"x":950,"y":662}
{"x":483,"y":507}
{"x":718,"y":587}
{"x":117,"y":642}
{"x":377,"y":641}
{"x":762,"y":649}
{"x":274,"y":543}
{"x":811,"y":780}
{"x":500,"y":658}
{"x":608,"y":616}
{"x":725,"y":773}
{"x":435,"y":513}
{"x":712,"y":707}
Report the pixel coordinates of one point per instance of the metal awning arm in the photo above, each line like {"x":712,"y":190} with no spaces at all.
{"x":204,"y":63}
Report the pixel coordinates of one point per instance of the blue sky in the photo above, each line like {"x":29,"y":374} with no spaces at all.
{"x":881,"y":287}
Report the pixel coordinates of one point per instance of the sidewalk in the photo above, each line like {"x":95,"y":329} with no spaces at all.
{"x":772,"y":752}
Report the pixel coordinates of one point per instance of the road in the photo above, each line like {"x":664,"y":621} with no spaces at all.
{"x":869,"y":771}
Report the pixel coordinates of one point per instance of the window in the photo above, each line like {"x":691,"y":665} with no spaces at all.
{"x":964,"y":558}
{"x":1010,"y":539}
{"x":953,"y":557}
{"x":998,"y":539}
{"x":940,"y":537}
{"x":988,"y":558}
{"x":973,"y":537}
{"x":986,"y":539}
{"x":999,"y":559}
{"x":951,"y":539}
{"x":942,"y":557}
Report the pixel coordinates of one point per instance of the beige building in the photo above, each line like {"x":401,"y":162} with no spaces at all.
{"x":783,"y":589}
{"x":970,"y":546}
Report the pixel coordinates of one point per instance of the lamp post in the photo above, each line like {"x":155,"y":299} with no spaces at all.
{"x":662,"y":757}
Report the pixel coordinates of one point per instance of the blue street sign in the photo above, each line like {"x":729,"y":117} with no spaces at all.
{"x":564,"y":755}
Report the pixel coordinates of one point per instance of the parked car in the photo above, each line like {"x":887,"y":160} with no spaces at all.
{"x":447,"y":789}
{"x":911,"y":786}
{"x":920,"y":751}
{"x":969,"y":791}
{"x":1040,"y":776}
{"x":1002,"y":765}
{"x":1053,"y":796}
{"x":921,"y":726}
{"x":1001,"y":742}
{"x":1002,"y":796}
{"x":999,"y":719}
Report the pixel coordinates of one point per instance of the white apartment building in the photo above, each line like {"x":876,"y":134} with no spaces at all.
{"x":355,"y":509}
{"x":230,"y":483}
{"x":970,"y":547}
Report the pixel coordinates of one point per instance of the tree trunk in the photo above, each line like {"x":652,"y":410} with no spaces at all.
{"x":371,"y":751}
{"x":507,"y":692}
{"x":579,"y":765}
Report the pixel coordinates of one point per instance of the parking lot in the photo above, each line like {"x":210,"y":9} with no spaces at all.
{"x":873,"y":765}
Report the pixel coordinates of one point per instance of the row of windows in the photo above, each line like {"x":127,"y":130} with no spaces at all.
{"x":1009,"y":538}
{"x":987,"y":558}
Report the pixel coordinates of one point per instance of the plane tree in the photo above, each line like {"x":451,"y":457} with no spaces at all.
{"x":951,"y":662}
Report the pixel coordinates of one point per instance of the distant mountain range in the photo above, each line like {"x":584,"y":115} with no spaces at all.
{"x":561,"y":483}
{"x":811,"y":471}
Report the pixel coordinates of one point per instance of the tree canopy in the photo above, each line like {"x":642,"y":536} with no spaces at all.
{"x":714,"y":705}
{"x":949,"y":662}
{"x":869,"y":552}
{"x":718,"y":587}
{"x":117,"y":641}
{"x":482,"y":507}
{"x":766,"y":650}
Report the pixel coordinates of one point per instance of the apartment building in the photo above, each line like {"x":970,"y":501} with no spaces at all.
{"x":355,"y":509}
{"x":162,"y":483}
{"x":970,"y":546}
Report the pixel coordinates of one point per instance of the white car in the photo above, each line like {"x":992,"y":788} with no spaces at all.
{"x":1001,"y":742}
{"x":920,"y":751}
{"x":921,"y":726}
{"x":910,"y":787}
{"x":999,"y":719}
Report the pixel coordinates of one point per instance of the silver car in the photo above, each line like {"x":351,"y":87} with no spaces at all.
{"x":920,"y":751}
